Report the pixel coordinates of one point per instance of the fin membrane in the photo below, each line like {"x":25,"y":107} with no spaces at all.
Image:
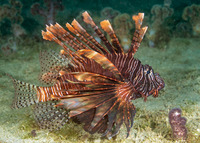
{"x":48,"y":116}
{"x":51,"y":63}
{"x":25,"y":94}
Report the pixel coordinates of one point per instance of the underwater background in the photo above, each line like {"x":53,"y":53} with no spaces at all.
{"x":171,"y":46}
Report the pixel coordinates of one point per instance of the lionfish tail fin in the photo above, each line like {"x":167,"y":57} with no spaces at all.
{"x":25,"y":94}
{"x":139,"y":32}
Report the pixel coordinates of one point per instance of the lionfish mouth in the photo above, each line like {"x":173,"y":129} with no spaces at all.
{"x":160,"y":81}
{"x":95,"y":87}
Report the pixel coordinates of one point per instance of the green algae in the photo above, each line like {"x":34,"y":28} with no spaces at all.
{"x":178,"y":65}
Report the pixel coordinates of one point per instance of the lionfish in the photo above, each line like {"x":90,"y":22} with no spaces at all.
{"x":90,"y":83}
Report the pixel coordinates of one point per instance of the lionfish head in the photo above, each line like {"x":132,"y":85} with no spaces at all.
{"x":154,"y":81}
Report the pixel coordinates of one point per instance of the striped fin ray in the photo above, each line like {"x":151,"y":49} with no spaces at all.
{"x":81,"y":30}
{"x":76,"y":59}
{"x":71,"y":37}
{"x":122,"y":111}
{"x":138,"y":34}
{"x":81,"y":37}
{"x":92,"y":77}
{"x":84,"y":93}
{"x":111,"y":104}
{"x":59,"y":33}
{"x":80,"y":104}
{"x":51,"y":63}
{"x":111,"y":119}
{"x":106,"y":26}
{"x":103,"y":110}
{"x":25,"y":94}
{"x":103,"y":61}
{"x":64,"y":35}
{"x":129,"y":114}
{"x":87,"y":117}
{"x":87,"y":19}
{"x":50,"y":117}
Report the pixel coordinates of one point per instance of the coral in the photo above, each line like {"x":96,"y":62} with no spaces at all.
{"x":12,"y":12}
{"x":109,"y":13}
{"x":18,"y":31}
{"x":9,"y":47}
{"x":52,"y":7}
{"x":178,"y":124}
{"x":192,"y":14}
{"x":183,"y":29}
{"x":159,"y":14}
{"x":122,"y":26}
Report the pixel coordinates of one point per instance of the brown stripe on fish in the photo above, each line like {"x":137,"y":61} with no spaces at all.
{"x":87,"y":19}
{"x":81,"y":30}
{"x":82,"y":38}
{"x":106,"y":26}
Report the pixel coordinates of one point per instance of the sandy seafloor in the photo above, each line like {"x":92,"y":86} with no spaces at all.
{"x":178,"y":64}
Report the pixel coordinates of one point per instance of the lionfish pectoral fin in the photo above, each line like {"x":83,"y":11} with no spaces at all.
{"x":25,"y":94}
{"x":103,"y":110}
{"x":49,"y":116}
{"x":92,"y":77}
{"x":103,"y":61}
{"x":129,"y":116}
{"x":111,"y":119}
{"x":124,"y":114}
{"x":80,"y":103}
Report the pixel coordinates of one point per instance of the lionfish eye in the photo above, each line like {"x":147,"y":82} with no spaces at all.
{"x":148,"y":72}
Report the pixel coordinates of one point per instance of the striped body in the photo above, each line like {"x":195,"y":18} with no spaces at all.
{"x":130,"y":68}
{"x":94,"y":85}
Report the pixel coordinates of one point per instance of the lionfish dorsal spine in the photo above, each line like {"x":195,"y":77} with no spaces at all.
{"x":82,"y":31}
{"x":87,"y":19}
{"x":138,"y":34}
{"x":87,"y":42}
{"x":64,"y":35}
{"x":106,"y":26}
{"x":77,"y":59}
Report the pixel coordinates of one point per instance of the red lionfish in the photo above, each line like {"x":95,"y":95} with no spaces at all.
{"x":89,"y":83}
